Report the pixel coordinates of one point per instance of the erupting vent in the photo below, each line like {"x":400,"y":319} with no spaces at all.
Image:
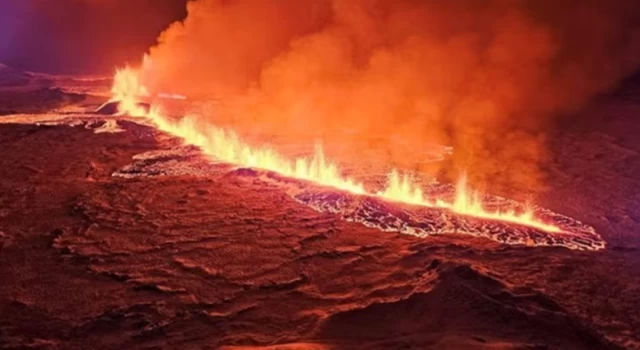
{"x":458,"y":211}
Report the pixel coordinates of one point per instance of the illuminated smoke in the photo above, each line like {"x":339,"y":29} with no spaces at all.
{"x":225,"y":145}
{"x":487,"y":77}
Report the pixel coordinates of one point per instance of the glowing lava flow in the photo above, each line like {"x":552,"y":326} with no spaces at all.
{"x":467,"y":202}
{"x":226,"y":146}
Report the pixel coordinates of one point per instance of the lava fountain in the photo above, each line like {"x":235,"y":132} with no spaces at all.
{"x":226,"y":146}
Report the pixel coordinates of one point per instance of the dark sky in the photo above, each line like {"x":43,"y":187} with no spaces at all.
{"x":81,"y":36}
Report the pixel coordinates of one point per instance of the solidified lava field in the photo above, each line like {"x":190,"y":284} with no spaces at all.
{"x":113,"y":235}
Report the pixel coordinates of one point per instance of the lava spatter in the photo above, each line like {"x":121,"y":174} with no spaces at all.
{"x":378,"y":212}
{"x":226,"y":146}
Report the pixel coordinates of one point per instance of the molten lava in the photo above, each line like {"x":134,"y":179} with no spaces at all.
{"x":228,"y":147}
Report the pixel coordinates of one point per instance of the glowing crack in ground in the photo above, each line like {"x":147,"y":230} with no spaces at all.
{"x":376,"y":212}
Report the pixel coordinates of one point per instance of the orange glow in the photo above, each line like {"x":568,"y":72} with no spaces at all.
{"x":127,"y":90}
{"x":228,"y":147}
{"x":401,"y":189}
{"x":469,"y":202}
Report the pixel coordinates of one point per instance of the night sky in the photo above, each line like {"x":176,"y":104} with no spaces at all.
{"x":81,"y":36}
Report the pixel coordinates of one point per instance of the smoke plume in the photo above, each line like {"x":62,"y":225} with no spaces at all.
{"x":486,"y":77}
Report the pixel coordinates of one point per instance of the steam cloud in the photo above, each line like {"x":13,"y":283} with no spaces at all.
{"x":486,"y":77}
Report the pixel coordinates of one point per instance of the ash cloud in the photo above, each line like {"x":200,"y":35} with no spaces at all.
{"x":487,"y":77}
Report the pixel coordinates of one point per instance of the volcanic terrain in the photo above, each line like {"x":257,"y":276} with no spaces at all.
{"x":116,"y":235}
